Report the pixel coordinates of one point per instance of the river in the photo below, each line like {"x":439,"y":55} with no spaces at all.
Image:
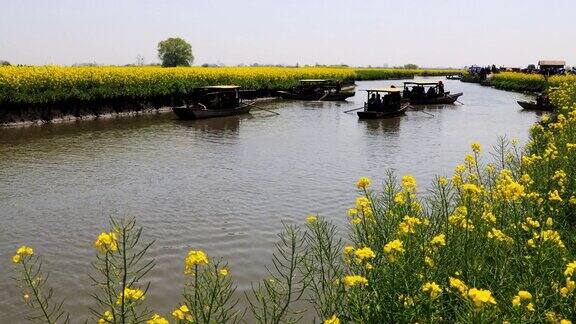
{"x":221,"y":185}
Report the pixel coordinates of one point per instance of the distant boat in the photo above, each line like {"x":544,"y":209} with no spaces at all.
{"x":213,"y":101}
{"x":419,"y":95}
{"x":389,"y":106}
{"x":528,"y":105}
{"x":319,"y":90}
{"x":454,"y":77}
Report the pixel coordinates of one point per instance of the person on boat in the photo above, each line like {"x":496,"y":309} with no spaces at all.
{"x":338,"y":86}
{"x":372,"y":101}
{"x":378,"y":102}
{"x":406,"y":93}
{"x":431,"y":93}
{"x":440,"y":88}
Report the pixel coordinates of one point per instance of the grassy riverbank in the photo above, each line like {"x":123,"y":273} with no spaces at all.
{"x":45,"y":84}
{"x":515,"y":81}
{"x":493,"y":242}
{"x":384,"y":74}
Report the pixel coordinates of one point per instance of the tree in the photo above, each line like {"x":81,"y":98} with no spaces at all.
{"x":410,"y":66}
{"x":175,"y":52}
{"x":2,"y":62}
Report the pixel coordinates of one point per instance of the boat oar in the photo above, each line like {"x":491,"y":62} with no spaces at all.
{"x":325,"y":95}
{"x":254,"y":106}
{"x":460,"y":102}
{"x":422,"y":111}
{"x":347,"y":111}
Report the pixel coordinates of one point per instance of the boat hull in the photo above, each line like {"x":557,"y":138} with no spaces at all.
{"x":526,"y":105}
{"x":336,"y":96}
{"x":383,"y":114}
{"x":447,"y":99}
{"x":191,"y":113}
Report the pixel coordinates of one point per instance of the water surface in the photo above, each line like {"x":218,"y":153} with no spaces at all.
{"x":222,"y":185}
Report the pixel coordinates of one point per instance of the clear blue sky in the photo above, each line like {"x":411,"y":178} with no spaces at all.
{"x":426,"y":32}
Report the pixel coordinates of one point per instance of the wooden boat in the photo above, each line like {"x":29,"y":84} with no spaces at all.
{"x":527,"y":105}
{"x":318,"y":90}
{"x":419,"y":96}
{"x":210,"y":102}
{"x":390,"y":106}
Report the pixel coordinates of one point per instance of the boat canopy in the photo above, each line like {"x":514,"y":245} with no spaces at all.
{"x":384,"y":90}
{"x":422,"y":83}
{"x":223,"y":87}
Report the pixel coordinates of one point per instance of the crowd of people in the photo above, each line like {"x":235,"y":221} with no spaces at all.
{"x":389,"y":101}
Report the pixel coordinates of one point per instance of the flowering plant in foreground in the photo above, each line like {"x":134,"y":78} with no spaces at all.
{"x":492,"y":243}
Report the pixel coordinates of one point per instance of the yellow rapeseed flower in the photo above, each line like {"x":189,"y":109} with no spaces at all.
{"x":570,"y":268}
{"x":332,"y":320}
{"x":224,"y":272}
{"x":480,"y":297}
{"x":16,"y":258}
{"x":459,"y":285}
{"x":554,"y":196}
{"x":25,"y":250}
{"x":409,"y":183}
{"x":394,"y":249}
{"x":106,"y":242}
{"x":107,"y":317}
{"x":130,"y":295}
{"x":498,"y":235}
{"x":408,"y":225}
{"x":182,"y":312}
{"x":438,"y":240}
{"x":363,"y":183}
{"x":364,"y":254}
{"x":476,"y":148}
{"x":432,"y":288}
{"x":311,"y":219}
{"x":348,"y":249}
{"x":157,"y":319}
{"x":194,"y":258}
{"x":353,"y":280}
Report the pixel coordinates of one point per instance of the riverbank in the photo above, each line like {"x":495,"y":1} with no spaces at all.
{"x":50,"y":93}
{"x":520,"y":82}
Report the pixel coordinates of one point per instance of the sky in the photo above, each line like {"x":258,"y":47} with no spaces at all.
{"x":430,"y":33}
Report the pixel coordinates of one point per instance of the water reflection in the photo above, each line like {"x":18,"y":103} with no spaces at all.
{"x":381,"y":126}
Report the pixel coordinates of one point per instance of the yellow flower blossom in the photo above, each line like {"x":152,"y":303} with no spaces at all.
{"x":498,"y":235}
{"x":472,"y":189}
{"x":507,"y":187}
{"x":363,"y":183}
{"x":394,"y":249}
{"x":107,"y":317}
{"x":572,"y":200}
{"x":332,"y":320}
{"x":353,"y":280}
{"x":157,"y":319}
{"x":488,"y":217}
{"x":352,"y":212}
{"x":443,"y":181}
{"x":409,"y":183}
{"x":399,"y":198}
{"x":408,"y":225}
{"x":311,"y":219}
{"x":554,"y":196}
{"x":432,"y":288}
{"x":476,"y":148}
{"x":194,"y":258}
{"x":348,"y":249}
{"x":224,"y":272}
{"x":16,"y":258}
{"x":106,"y":242}
{"x":570,"y":268}
{"x":568,"y":289}
{"x":182,"y":313}
{"x":438,"y":240}
{"x":459,"y":218}
{"x":481,"y":297}
{"x":459,"y":285}
{"x":130,"y":295}
{"x":25,"y":250}
{"x":364,"y":254}
{"x":356,"y":220}
{"x":429,"y":261}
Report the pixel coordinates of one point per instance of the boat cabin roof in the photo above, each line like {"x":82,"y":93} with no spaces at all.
{"x":422,"y":83}
{"x":384,"y":90}
{"x":314,"y":81}
{"x":223,"y":87}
